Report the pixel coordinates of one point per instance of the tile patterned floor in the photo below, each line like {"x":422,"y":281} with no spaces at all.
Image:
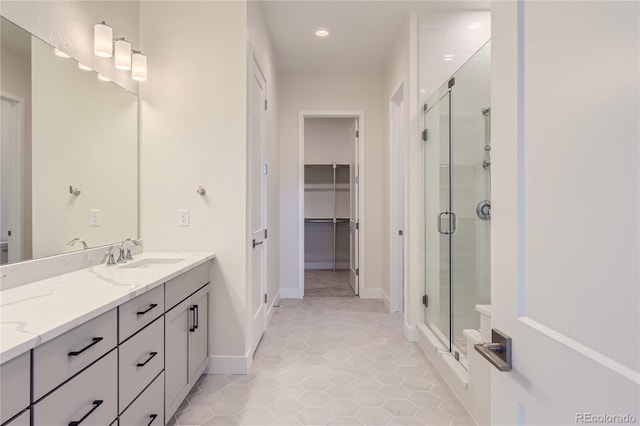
{"x":328,"y":361}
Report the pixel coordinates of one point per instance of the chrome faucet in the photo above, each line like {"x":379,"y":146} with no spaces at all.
{"x":80,"y":240}
{"x":126,"y":256}
{"x":108,"y":255}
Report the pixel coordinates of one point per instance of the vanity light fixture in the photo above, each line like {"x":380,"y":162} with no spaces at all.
{"x":103,"y":40}
{"x":122,"y":54}
{"x":138,"y":66}
{"x":322,"y":33}
{"x":102,"y":78}
{"x":83,"y":67}
{"x":60,"y":53}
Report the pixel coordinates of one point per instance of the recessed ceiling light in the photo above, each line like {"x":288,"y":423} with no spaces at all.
{"x":60,"y":53}
{"x":473,"y":26}
{"x":322,"y":33}
{"x":448,"y":57}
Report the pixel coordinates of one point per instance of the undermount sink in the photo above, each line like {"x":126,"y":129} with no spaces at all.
{"x":152,"y":262}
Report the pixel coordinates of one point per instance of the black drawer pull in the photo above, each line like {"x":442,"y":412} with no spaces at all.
{"x":151,"y":306}
{"x":96,"y":404}
{"x":193,"y":319}
{"x":152,"y":417}
{"x":94,"y":341}
{"x":151,"y":355}
{"x":196,"y":317}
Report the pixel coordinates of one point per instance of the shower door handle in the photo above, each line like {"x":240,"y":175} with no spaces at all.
{"x":452,"y":222}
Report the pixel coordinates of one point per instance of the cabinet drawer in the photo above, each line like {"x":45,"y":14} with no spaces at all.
{"x":148,"y":408}
{"x":59,"y":359}
{"x":23,"y":419}
{"x":137,"y":313}
{"x":138,"y":364}
{"x":14,"y":386}
{"x":181,"y":287}
{"x":90,"y":395}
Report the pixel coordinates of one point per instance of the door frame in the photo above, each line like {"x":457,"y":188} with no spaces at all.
{"x":362,"y":180}
{"x":397,"y":199}
{"x":252,"y":344}
{"x":18,"y":117}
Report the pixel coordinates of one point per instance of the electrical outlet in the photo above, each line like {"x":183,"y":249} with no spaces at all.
{"x":95,"y":217}
{"x":183,"y":217}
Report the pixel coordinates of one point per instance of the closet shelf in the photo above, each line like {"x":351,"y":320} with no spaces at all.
{"x":318,"y":220}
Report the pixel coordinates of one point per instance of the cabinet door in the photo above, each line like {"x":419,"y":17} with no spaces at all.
{"x":14,"y":386}
{"x":199,"y":334}
{"x":91,"y":397}
{"x":22,"y":420}
{"x":176,"y":326}
{"x":148,"y":408}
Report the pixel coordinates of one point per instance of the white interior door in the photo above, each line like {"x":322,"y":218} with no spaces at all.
{"x":10,"y":179}
{"x":258,"y":171}
{"x":396,"y":206}
{"x":565,"y":218}
{"x":354,"y":225}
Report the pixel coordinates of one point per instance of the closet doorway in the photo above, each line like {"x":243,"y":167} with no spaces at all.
{"x":330,"y":154}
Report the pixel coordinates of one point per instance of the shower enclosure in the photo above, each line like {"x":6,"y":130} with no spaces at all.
{"x":457,"y":167}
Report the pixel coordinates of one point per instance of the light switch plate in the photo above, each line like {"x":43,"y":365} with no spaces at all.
{"x":95,"y":217}
{"x":183,"y":217}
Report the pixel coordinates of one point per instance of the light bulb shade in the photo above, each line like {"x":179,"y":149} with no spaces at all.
{"x":138,"y":66}
{"x":123,"y":54}
{"x":103,"y":40}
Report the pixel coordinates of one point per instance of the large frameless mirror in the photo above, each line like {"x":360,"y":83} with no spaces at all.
{"x":69,"y":153}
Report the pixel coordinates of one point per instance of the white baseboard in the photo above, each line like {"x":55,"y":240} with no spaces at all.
{"x":229,"y":364}
{"x":271,"y":310}
{"x":387,"y":301}
{"x":370,"y":293}
{"x":410,"y":332}
{"x":291,"y":293}
{"x":325,"y":265}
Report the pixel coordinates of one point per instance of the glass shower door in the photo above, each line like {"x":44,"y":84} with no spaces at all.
{"x":438,"y":220}
{"x":470,"y":198}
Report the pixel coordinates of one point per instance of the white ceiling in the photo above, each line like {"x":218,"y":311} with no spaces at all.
{"x":362,"y":32}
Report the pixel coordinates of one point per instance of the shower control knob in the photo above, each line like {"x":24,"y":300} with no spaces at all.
{"x":483,"y":209}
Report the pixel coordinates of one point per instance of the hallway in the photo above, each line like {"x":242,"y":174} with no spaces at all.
{"x":328,"y":361}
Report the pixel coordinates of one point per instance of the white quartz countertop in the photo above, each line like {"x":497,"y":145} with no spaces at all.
{"x":37,"y":312}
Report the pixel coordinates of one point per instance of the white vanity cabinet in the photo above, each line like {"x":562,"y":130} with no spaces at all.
{"x":148,"y":408}
{"x":186,"y":334}
{"x":14,"y":389}
{"x":141,"y":360}
{"x":90,"y":398}
{"x":59,"y":359}
{"x":131,"y":365}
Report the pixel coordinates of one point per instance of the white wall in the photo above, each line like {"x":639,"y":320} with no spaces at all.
{"x":68,"y":25}
{"x":327,"y":140}
{"x":263,"y":51}
{"x":85,"y":134}
{"x":193,"y":132}
{"x":332,"y":93}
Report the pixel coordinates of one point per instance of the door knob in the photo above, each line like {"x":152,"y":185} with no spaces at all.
{"x":498,"y":351}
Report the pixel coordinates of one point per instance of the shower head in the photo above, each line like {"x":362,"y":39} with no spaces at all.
{"x":486,"y":111}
